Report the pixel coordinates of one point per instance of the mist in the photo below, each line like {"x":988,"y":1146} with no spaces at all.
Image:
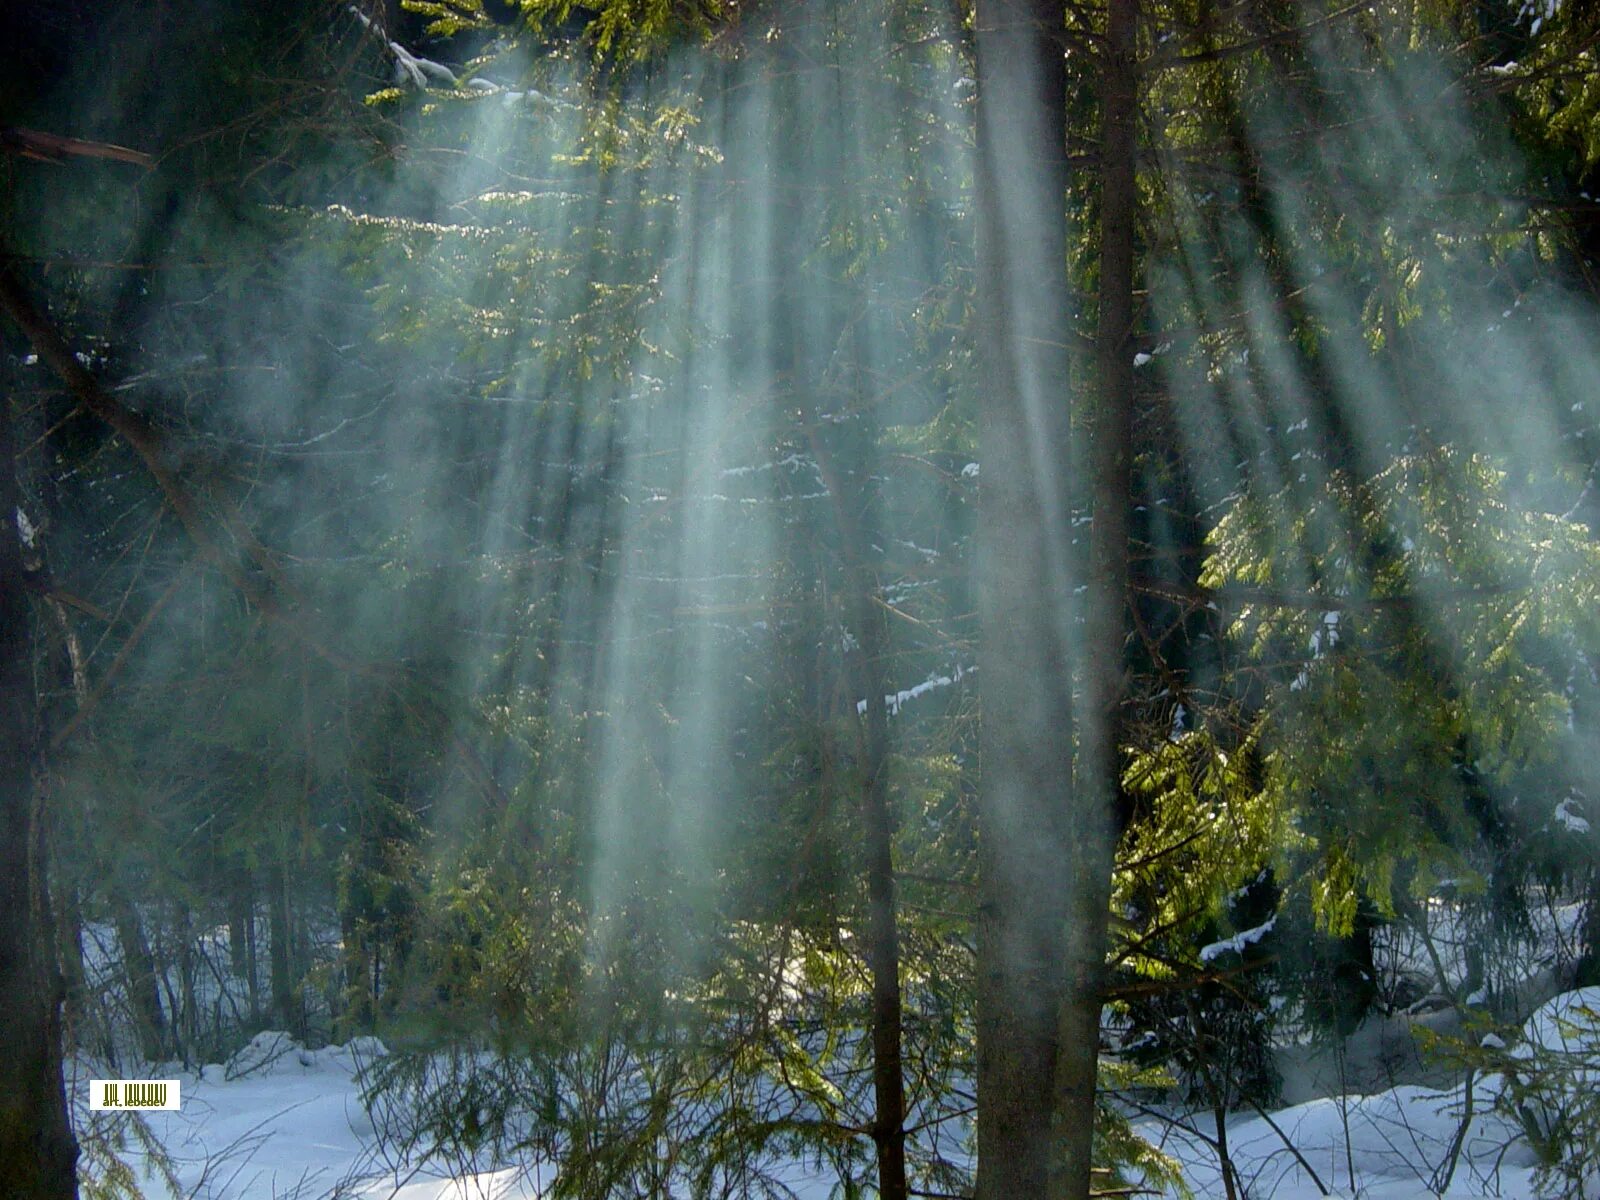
{"x":499,"y":490}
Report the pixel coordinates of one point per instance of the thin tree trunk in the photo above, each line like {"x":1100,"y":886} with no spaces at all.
{"x":278,"y":949}
{"x":359,"y":979}
{"x":1105,"y":618}
{"x":300,"y":967}
{"x":1219,"y":1117}
{"x":883,"y":938}
{"x":253,"y":965}
{"x":186,"y":1020}
{"x":242,"y":934}
{"x":888,"y":1079}
{"x":37,"y":1148}
{"x":1025,"y":793}
{"x":868,"y":679}
{"x":241,"y":913}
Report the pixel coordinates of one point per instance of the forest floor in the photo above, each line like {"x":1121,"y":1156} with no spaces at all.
{"x":280,"y":1122}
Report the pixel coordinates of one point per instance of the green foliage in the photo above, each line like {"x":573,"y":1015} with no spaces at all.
{"x":1130,"y":1159}
{"x":1206,"y":824}
{"x":626,"y":30}
{"x":1554,"y":97}
{"x":109,"y":1146}
{"x":1401,"y":624}
{"x":712,"y":1086}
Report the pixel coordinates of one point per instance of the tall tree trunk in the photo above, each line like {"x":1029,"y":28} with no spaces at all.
{"x":1025,"y":793}
{"x":883,"y":938}
{"x":1105,"y":617}
{"x":300,"y":967}
{"x":868,"y":679}
{"x":37,"y":1148}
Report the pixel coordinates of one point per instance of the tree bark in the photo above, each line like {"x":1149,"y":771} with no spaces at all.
{"x":285,"y":1006}
{"x":883,"y":938}
{"x":36,"y":1142}
{"x":1026,"y":789}
{"x":253,"y":964}
{"x":1110,"y":462}
{"x":140,"y":974}
{"x":186,"y":1013}
{"x":868,"y":680}
{"x":67,"y":848}
{"x":74,"y":979}
{"x":242,"y":932}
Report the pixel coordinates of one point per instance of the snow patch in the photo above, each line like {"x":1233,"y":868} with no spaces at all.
{"x":1237,"y":943}
{"x":1570,"y":820}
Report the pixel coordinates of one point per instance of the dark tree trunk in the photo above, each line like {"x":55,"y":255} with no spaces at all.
{"x":139,"y":970}
{"x":1110,"y":462}
{"x":300,"y":966}
{"x":868,"y":679}
{"x":359,"y":979}
{"x":74,"y":980}
{"x":242,"y":934}
{"x":253,"y":965}
{"x":285,"y":1004}
{"x":69,"y":850}
{"x":241,"y":915}
{"x":242,"y":920}
{"x":1024,"y":582}
{"x":883,"y":938}
{"x":37,"y":1149}
{"x":186,"y":1014}
{"x":1588,"y":967}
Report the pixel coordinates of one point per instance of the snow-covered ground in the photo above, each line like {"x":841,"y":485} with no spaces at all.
{"x":1393,"y":1145}
{"x":1411,"y":1141}
{"x":281,"y":1122}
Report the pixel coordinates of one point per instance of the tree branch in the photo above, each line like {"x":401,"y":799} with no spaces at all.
{"x":265,"y":587}
{"x":52,"y":147}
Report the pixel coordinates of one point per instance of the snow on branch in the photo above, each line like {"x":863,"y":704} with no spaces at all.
{"x":409,"y":66}
{"x":932,"y":683}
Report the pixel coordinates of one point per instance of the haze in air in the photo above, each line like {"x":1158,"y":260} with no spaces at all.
{"x":748,"y":599}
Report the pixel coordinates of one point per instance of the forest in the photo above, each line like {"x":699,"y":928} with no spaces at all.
{"x":799,"y":599}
